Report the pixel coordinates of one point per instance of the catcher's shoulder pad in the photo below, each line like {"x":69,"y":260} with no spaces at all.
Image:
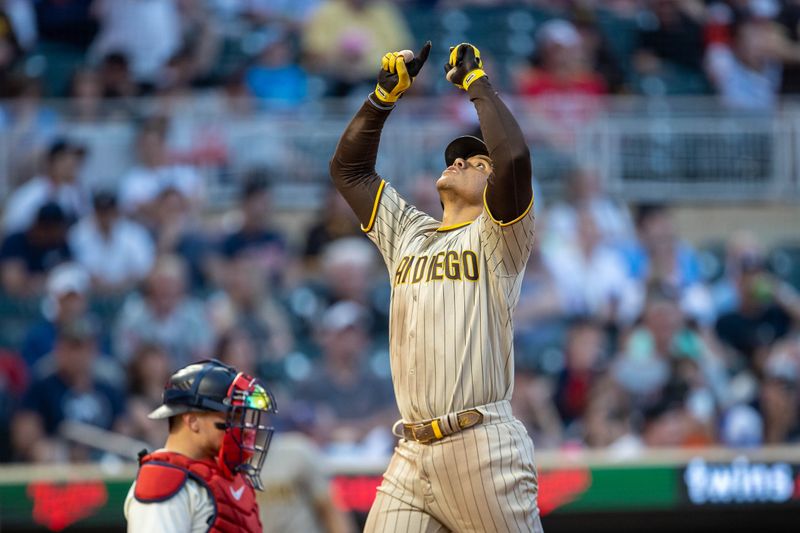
{"x":158,"y":482}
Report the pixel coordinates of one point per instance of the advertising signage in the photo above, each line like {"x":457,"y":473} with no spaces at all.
{"x":87,"y":496}
{"x":741,"y":481}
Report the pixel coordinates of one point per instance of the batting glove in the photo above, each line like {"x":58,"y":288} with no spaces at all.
{"x":398,"y":70}
{"x":464,"y":66}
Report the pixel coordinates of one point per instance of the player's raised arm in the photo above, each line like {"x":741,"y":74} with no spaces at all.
{"x":509,"y":191}
{"x":352,"y":167}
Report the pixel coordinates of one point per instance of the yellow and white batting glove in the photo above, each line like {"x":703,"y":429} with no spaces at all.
{"x":398,"y":70}
{"x":464,"y":66}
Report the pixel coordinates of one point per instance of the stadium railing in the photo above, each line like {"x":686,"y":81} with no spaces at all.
{"x":671,"y":149}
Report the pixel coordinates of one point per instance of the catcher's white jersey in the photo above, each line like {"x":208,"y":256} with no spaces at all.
{"x":453,"y":295}
{"x":189,"y":510}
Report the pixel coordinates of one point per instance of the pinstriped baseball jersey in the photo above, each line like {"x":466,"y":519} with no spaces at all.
{"x":453,"y":295}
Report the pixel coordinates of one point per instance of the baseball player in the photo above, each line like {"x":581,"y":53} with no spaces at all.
{"x":464,"y":463}
{"x":203,"y":478}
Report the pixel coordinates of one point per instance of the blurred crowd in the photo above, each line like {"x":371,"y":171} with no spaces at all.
{"x":625,"y":337}
{"x":284,"y":52}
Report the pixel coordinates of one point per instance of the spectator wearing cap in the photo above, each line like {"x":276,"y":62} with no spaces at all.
{"x":163,"y":314}
{"x":59,"y":184}
{"x":155,"y":173}
{"x":69,"y":393}
{"x":65,"y":301}
{"x":766,"y":310}
{"x":117,"y":252}
{"x":26,"y":257}
{"x":350,"y":399}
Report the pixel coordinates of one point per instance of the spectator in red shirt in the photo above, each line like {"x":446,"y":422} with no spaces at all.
{"x":586,"y":342}
{"x":562,"y":84}
{"x":561,"y":65}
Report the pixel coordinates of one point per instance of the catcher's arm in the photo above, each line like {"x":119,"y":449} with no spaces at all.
{"x":352,"y":167}
{"x":509,"y":191}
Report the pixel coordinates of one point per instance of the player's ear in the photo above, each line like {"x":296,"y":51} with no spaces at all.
{"x":192,"y":421}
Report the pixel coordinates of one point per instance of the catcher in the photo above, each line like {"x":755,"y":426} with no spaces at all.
{"x":203,"y":478}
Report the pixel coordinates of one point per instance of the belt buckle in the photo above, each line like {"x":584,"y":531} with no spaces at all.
{"x":421,"y":440}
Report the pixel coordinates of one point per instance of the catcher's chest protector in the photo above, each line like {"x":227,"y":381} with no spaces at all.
{"x":162,"y":474}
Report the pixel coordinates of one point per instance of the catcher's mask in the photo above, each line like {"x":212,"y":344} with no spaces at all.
{"x":214,"y":386}
{"x":247,"y":435}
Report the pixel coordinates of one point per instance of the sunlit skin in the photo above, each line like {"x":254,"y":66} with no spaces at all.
{"x":461,"y":188}
{"x":197,"y":436}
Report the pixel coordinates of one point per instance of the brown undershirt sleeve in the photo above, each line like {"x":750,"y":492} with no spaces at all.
{"x":352,"y":167}
{"x":509,"y":190}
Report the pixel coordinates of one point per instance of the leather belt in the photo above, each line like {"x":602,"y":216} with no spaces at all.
{"x":439,"y":428}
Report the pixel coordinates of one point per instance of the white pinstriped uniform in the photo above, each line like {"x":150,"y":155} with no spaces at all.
{"x":451,"y":342}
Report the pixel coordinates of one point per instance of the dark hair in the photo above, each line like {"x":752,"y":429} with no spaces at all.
{"x":63,"y":145}
{"x":117,"y":59}
{"x":673,"y":398}
{"x":644,"y":212}
{"x":104,"y":199}
{"x":174,"y":422}
{"x":51,"y":213}
{"x":255,"y":181}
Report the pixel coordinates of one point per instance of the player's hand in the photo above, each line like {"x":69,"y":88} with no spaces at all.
{"x":464,"y":65}
{"x":398,"y":70}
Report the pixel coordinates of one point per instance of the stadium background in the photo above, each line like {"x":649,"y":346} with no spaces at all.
{"x":659,"y":314}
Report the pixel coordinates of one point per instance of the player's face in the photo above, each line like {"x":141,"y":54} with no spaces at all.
{"x":466,"y":178}
{"x":209,"y":431}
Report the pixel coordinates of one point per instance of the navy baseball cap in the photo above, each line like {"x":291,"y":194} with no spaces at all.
{"x":63,"y":145}
{"x":464,"y":147}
